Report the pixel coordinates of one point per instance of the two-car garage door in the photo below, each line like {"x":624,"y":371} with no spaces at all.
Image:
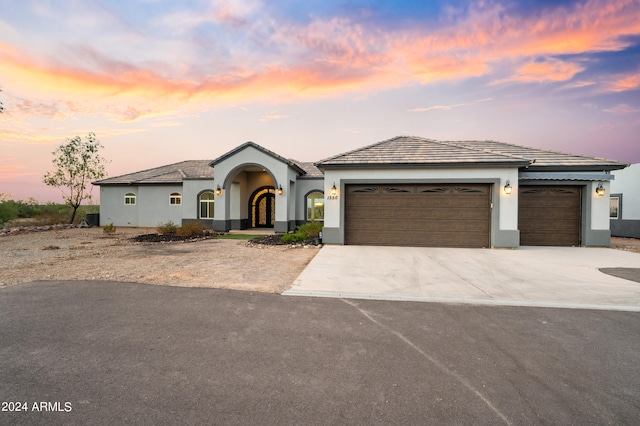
{"x":430,"y":215}
{"x":457,"y":215}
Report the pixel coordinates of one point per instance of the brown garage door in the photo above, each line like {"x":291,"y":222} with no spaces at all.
{"x":418,"y":215}
{"x":549,"y":215}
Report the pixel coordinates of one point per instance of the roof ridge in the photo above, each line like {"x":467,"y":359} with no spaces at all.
{"x":473,"y":148}
{"x":333,"y":157}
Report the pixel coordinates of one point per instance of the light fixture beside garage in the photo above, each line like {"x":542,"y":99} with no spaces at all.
{"x":600,"y":189}
{"x":280,"y":190}
{"x":334,"y":190}
{"x":507,"y":187}
{"x":218,"y":190}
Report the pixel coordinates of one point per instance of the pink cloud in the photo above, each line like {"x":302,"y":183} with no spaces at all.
{"x":332,"y":57}
{"x":629,"y":82}
{"x":547,"y":70}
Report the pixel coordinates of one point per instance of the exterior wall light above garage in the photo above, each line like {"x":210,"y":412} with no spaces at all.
{"x":507,"y":187}
{"x":600,"y":189}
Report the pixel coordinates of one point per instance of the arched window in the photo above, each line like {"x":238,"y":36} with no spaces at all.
{"x":206,"y":205}
{"x":315,"y":206}
{"x":175,"y":199}
{"x":130,"y":199}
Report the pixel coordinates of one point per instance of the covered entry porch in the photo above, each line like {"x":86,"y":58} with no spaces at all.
{"x":255,"y":189}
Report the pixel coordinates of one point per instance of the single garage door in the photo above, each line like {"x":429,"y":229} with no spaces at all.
{"x":549,"y":215}
{"x":455,"y":215}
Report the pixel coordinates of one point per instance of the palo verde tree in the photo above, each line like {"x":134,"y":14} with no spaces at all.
{"x":77,"y":163}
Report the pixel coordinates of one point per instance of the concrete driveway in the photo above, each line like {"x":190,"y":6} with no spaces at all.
{"x":528,"y":276}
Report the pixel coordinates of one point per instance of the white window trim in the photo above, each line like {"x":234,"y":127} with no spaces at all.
{"x":210,"y":205}
{"x":131,"y":197}
{"x":175,"y":199}
{"x":307,"y":198}
{"x":617,"y":216}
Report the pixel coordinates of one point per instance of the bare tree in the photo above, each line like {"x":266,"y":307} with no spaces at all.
{"x":77,"y":163}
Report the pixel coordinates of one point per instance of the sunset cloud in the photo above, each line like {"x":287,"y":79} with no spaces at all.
{"x":623,"y":109}
{"x":630,"y":82}
{"x":328,"y":56}
{"x":546,"y":70}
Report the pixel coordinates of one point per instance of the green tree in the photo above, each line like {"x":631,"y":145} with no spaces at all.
{"x":77,"y":163}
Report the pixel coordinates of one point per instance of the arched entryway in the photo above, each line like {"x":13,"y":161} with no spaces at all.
{"x":262,"y":207}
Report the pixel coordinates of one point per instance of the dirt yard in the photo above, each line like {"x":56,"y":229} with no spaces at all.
{"x":88,"y":254}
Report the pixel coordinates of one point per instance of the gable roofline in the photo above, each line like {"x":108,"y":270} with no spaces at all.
{"x":262,"y":149}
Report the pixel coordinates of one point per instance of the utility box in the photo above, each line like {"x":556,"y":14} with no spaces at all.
{"x":93,"y":219}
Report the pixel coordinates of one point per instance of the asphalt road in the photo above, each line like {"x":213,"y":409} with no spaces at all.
{"x":120,"y":353}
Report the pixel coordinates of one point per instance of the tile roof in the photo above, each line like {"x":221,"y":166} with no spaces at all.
{"x":310,"y":169}
{"x":172,"y":173}
{"x":543,"y":159}
{"x":417,"y":151}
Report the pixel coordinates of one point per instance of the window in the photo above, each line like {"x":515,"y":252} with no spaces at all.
{"x":315,"y":206}
{"x":206,"y":205}
{"x":175,"y":199}
{"x":130,"y":198}
{"x":614,"y":207}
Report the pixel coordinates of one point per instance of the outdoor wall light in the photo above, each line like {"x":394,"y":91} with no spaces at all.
{"x":334,"y":190}
{"x":600,"y":189}
{"x":507,"y":187}
{"x":280,"y":191}
{"x":218,"y":190}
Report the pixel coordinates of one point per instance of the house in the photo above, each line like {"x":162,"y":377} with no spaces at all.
{"x":625,"y":202}
{"x":401,"y":191}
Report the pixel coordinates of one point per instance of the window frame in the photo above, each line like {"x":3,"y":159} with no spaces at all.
{"x":175,"y":199}
{"x":310,"y":209}
{"x":618,"y":215}
{"x":130,"y":199}
{"x":210,"y":203}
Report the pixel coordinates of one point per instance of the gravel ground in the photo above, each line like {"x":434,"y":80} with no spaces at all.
{"x":88,"y":254}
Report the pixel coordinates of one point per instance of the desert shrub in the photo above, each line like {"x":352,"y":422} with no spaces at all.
{"x":310,"y":230}
{"x":109,"y":229}
{"x":8,"y":211}
{"x":292,"y":238}
{"x":168,"y":228}
{"x":192,"y":229}
{"x":304,"y":232}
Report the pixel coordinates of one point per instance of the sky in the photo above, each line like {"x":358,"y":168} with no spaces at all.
{"x":162,"y":81}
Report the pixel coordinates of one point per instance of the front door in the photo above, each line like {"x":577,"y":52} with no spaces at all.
{"x":263,"y":208}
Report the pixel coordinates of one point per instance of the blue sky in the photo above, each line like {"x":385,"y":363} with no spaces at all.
{"x":165,"y":81}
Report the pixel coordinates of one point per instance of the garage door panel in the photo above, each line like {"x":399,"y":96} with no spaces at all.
{"x":418,"y":215}
{"x":549,"y":215}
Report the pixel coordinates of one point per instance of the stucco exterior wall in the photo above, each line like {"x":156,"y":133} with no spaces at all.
{"x":152,"y":205}
{"x":627,"y":183}
{"x":112,"y":207}
{"x":191,"y":188}
{"x":627,"y":187}
{"x":504,"y":226}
